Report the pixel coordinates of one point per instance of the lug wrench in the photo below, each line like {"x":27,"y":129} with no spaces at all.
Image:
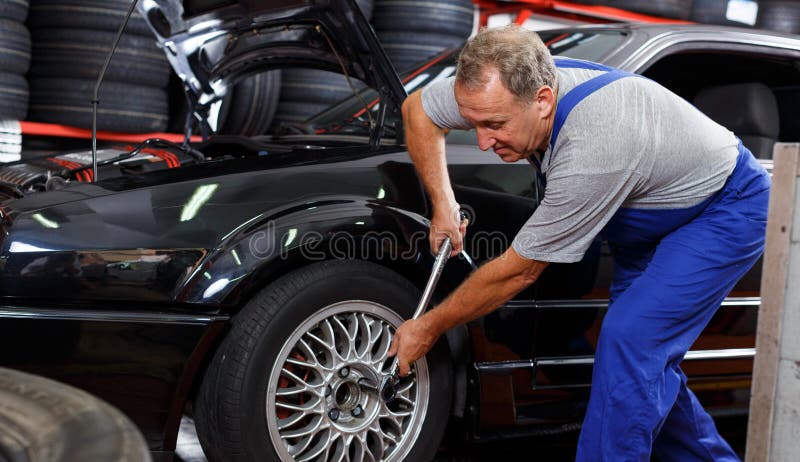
{"x":388,"y":388}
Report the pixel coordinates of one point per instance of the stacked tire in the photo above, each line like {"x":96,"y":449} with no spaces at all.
{"x":307,"y":92}
{"x":677,"y":9}
{"x":780,"y":16}
{"x":71,"y":40}
{"x":414,"y":30}
{"x":15,"y":58}
{"x":712,"y":12}
{"x":249,"y":107}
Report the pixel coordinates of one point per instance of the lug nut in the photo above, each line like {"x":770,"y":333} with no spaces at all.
{"x":344,"y":372}
{"x":357,"y":411}
{"x":334,"y":414}
{"x":328,"y":390}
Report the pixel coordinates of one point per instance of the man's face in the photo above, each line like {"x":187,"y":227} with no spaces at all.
{"x":513,"y":129}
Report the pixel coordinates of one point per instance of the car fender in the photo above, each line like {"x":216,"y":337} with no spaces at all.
{"x":270,"y":245}
{"x":332,"y":227}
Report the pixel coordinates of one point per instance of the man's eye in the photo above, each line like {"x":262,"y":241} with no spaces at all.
{"x":494,"y":126}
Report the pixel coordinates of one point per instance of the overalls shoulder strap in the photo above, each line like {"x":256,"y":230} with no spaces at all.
{"x":577,"y":94}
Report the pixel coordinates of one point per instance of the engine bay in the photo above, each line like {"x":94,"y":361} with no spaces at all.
{"x":51,"y":172}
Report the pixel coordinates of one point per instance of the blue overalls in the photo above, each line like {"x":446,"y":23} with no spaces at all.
{"x":672,"y":270}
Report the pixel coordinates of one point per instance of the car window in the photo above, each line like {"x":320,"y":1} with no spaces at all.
{"x":722,"y":83}
{"x":588,"y":45}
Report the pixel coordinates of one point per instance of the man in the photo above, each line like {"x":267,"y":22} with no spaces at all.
{"x":680,"y":200}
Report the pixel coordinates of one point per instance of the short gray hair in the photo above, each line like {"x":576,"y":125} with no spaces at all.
{"x":519,"y":55}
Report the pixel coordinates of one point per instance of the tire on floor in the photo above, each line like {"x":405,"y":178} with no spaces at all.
{"x":42,"y":420}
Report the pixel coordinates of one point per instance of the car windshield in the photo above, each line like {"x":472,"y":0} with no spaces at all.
{"x":349,"y":116}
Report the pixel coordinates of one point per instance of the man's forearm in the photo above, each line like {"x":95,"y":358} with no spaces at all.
{"x":485,"y":290}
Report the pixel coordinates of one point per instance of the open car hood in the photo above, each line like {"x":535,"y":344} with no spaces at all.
{"x":212,"y":44}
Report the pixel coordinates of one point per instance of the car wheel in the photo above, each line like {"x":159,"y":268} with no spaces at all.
{"x":42,"y":420}
{"x":292,"y":379}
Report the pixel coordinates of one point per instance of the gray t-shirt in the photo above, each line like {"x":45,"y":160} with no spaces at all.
{"x":632,"y":144}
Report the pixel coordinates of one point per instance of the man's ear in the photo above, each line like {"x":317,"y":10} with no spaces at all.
{"x":546,"y":100}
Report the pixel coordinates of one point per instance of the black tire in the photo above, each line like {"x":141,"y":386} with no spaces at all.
{"x":80,"y":54}
{"x":316,"y":86}
{"x":250,"y":106}
{"x":678,"y":9}
{"x":292,"y":112}
{"x":15,"y":47}
{"x":86,"y":14}
{"x":46,"y":421}
{"x":123,"y":107}
{"x":407,"y":49}
{"x":447,"y":17}
{"x":780,"y":16}
{"x":15,"y":10}
{"x":13,"y":96}
{"x":366,"y":7}
{"x":712,"y":12}
{"x":307,"y":92}
{"x":229,"y":409}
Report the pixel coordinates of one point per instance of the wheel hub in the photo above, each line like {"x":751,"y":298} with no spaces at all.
{"x":353,"y":406}
{"x":320,"y":400}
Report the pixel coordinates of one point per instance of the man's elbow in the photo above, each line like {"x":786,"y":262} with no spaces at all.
{"x":411,"y":105}
{"x":525,"y":270}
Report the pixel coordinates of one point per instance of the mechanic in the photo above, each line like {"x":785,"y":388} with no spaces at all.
{"x":681,"y":201}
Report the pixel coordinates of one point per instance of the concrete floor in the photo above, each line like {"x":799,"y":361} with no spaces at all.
{"x":188,"y":448}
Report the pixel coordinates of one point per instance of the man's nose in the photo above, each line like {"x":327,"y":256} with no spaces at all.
{"x":485,"y":140}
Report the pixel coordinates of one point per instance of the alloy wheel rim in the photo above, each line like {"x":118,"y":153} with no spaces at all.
{"x":321,"y":404}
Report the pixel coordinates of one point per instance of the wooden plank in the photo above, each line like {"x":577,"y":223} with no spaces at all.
{"x":772,"y":378}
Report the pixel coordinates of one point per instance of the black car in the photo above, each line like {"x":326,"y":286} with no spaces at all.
{"x":255,"y":283}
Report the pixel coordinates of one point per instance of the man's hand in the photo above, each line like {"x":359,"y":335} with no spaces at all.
{"x":487,"y":288}
{"x":412,"y":340}
{"x":447,"y":222}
